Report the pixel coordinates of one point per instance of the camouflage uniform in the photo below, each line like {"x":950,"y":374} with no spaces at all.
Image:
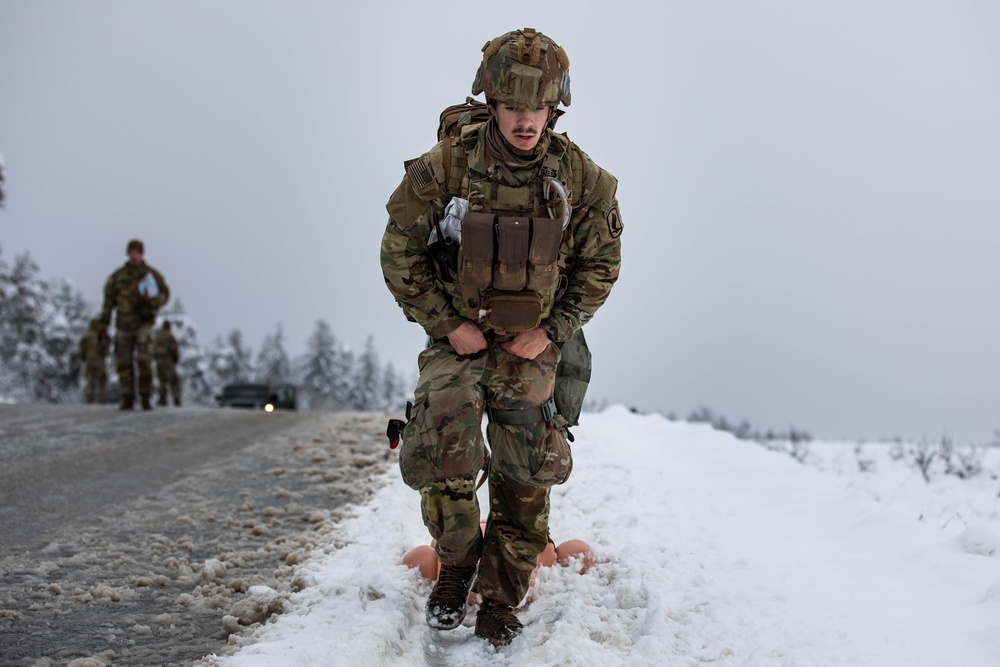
{"x":94,"y":348}
{"x":135,"y":315}
{"x":442,"y":447}
{"x":166,"y":354}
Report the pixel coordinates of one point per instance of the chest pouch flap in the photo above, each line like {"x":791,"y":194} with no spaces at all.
{"x":513,"y":235}
{"x":543,"y":257}
{"x":475,"y":257}
{"x":512,"y":311}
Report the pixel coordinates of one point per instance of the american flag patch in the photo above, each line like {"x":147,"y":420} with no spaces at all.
{"x":419,"y":172}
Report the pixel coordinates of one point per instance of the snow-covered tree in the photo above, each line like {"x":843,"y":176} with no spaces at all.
{"x":8,"y":377}
{"x":367,"y":379}
{"x":317,"y":367}
{"x":21,"y":297}
{"x":343,"y":378}
{"x":273,"y":364}
{"x":41,"y":323}
{"x":63,"y":322}
{"x":395,"y":391}
{"x":229,"y":360}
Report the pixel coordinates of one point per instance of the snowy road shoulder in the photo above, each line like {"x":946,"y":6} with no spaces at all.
{"x":714,"y":551}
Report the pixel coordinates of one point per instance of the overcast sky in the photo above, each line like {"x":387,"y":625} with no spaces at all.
{"x":810,"y":191}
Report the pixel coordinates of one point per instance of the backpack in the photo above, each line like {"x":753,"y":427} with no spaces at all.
{"x":457,"y":116}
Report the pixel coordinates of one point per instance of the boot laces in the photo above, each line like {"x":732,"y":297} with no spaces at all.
{"x":453,"y":582}
{"x":502,"y":613}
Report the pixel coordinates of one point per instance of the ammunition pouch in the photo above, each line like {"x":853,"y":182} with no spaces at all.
{"x":511,"y":271}
{"x":516,"y":256}
{"x":475,"y":257}
{"x":543,"y":257}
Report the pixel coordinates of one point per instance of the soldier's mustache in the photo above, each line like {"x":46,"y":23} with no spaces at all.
{"x":525,"y":130}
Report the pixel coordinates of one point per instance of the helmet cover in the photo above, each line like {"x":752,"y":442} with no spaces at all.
{"x":524,"y":68}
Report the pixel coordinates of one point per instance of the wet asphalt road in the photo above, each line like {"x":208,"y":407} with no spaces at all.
{"x":133,"y":538}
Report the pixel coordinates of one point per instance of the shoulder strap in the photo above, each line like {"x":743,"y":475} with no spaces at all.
{"x":583,"y":176}
{"x":454,"y":162}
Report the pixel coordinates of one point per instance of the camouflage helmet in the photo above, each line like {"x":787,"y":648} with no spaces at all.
{"x":524,"y":68}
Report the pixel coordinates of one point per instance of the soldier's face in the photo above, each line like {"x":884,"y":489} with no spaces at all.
{"x":521,"y":127}
{"x":134,"y":257}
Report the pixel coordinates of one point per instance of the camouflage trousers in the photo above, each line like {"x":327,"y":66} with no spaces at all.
{"x":96,"y":389}
{"x":443,"y":450}
{"x":167,"y":378}
{"x":135,"y":349}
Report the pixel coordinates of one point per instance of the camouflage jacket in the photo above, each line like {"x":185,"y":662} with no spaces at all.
{"x":121,"y":294}
{"x":165,"y":348}
{"x":94,"y":345}
{"x":589,"y":255}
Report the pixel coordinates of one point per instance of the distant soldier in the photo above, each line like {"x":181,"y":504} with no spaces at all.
{"x":94,"y":348}
{"x":166,"y":354}
{"x":136,"y":291}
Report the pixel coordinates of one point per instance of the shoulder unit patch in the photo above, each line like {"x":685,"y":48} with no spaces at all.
{"x":614,"y":219}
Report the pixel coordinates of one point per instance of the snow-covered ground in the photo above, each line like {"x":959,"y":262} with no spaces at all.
{"x":712,"y":551}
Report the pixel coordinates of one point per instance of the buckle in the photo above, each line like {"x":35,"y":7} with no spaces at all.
{"x":549,"y":410}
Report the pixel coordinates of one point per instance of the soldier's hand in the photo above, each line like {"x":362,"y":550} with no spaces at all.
{"x":528,"y":344}
{"x":467,"y":339}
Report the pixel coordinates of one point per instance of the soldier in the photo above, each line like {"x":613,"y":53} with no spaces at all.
{"x":536,"y":226}
{"x":166,"y":354}
{"x":136,"y":291}
{"x":93,"y":351}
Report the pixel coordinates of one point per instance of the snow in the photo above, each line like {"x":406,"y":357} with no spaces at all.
{"x":711,"y":550}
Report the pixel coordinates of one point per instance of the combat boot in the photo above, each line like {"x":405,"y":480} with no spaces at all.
{"x":449,"y":600}
{"x":497,"y":623}
{"x":127,"y":403}
{"x":146,"y":405}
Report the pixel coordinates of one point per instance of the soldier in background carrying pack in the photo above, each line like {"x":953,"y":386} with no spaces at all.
{"x":166,"y":354}
{"x":136,"y":291}
{"x":502,"y":242}
{"x":94,"y":346}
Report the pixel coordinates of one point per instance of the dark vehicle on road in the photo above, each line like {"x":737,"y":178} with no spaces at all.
{"x":258,"y":397}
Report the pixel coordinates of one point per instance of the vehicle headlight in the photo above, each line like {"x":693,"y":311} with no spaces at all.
{"x":268,"y":408}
